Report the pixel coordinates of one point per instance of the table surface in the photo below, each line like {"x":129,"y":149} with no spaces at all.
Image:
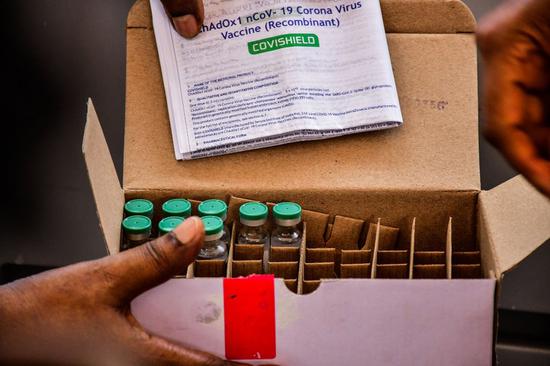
{"x":60,"y":53}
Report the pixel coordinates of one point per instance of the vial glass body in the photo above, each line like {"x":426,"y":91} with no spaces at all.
{"x":134,"y":240}
{"x":287,"y":236}
{"x":288,"y":215}
{"x":253,"y":235}
{"x":253,"y":216}
{"x":216,"y":208}
{"x":215,"y":239}
{"x":213,"y":249}
{"x":137,"y":230}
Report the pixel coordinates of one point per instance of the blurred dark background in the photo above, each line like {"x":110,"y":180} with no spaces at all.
{"x":56,"y":54}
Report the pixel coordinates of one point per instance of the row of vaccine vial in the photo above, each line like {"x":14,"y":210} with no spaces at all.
{"x":253,"y":218}
{"x":137,"y":225}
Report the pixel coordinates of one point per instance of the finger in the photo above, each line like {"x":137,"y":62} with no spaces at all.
{"x":540,"y":135}
{"x":520,"y":151}
{"x":158,"y":351}
{"x":187,"y":15}
{"x":512,"y":114}
{"x":139,"y":269}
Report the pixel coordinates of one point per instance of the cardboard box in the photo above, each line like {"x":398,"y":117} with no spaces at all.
{"x":410,"y":198}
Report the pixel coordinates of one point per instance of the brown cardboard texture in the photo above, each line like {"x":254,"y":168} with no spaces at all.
{"x":109,"y":197}
{"x":514,"y":221}
{"x":436,"y":149}
{"x":401,"y":204}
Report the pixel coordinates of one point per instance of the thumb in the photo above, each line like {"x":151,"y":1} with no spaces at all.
{"x":139,"y":269}
{"x":187,"y":15}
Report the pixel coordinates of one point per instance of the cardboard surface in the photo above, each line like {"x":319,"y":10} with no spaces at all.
{"x":514,"y":220}
{"x":443,"y":323}
{"x":436,"y":149}
{"x":427,"y":16}
{"x":108,"y":194}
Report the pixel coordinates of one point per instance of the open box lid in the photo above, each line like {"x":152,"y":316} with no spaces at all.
{"x":514,"y":220}
{"x":434,"y":60}
{"x":108,"y":195}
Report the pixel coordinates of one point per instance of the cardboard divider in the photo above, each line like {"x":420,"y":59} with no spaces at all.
{"x":319,"y":255}
{"x":317,"y":223}
{"x":431,"y":257}
{"x":393,"y":256}
{"x":209,"y":268}
{"x":387,"y":260}
{"x":466,"y":271}
{"x":429,"y":271}
{"x":387,"y":236}
{"x":246,"y":267}
{"x":284,"y":254}
{"x":301,"y":263}
{"x":190,"y":273}
{"x":286,"y":270}
{"x":473,"y":257}
{"x":310,"y":286}
{"x":292,"y":285}
{"x":392,"y":270}
{"x":345,"y":233}
{"x":317,"y":271}
{"x":248,"y":252}
{"x":356,"y":256}
{"x":355,"y":270}
{"x":412,"y":248}
{"x":231,"y":254}
{"x":434,"y":263}
{"x":376,"y":245}
{"x":449,"y":249}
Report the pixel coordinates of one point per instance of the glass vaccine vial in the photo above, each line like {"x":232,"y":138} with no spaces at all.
{"x":217,"y":208}
{"x":168,"y":224}
{"x":137,"y":230}
{"x":253,"y":216}
{"x":214,"y":247}
{"x":287,"y":216}
{"x":139,"y":207}
{"x":176,"y":207}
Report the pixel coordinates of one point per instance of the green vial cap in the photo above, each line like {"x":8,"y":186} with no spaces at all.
{"x":177,"y":207}
{"x":213,"y":208}
{"x":137,"y":224}
{"x":139,"y":207}
{"x":253,"y":211}
{"x":287,"y":211}
{"x":212,"y":225}
{"x":169,"y":223}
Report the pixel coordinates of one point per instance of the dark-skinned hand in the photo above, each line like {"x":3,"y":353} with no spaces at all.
{"x":187,"y":15}
{"x":515,"y":45}
{"x":80,"y":314}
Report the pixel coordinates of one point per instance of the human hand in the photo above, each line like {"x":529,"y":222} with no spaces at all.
{"x":80,"y":314}
{"x":187,"y":15}
{"x":515,"y":45}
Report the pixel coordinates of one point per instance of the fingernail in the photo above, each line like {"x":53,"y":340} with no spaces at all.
{"x":186,"y":25}
{"x":189,"y":230}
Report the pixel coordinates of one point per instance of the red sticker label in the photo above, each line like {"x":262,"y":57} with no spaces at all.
{"x":249,"y":311}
